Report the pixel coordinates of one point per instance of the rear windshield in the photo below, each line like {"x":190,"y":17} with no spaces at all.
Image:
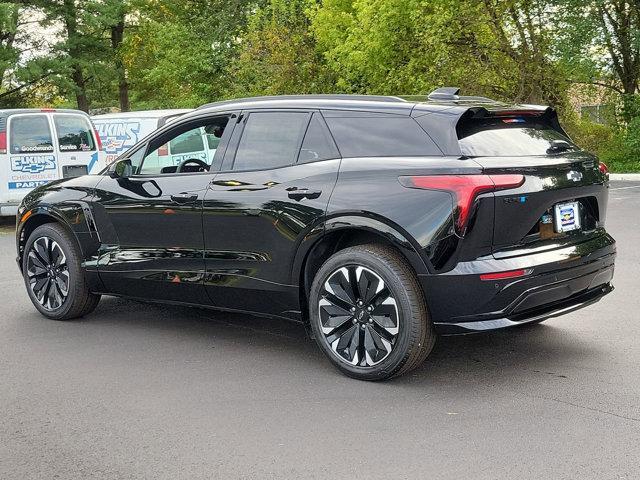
{"x":74,"y":133}
{"x":30,"y":134}
{"x":506,"y":137}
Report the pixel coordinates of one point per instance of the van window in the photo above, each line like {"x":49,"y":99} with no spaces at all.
{"x":381,"y":136}
{"x":74,"y":133}
{"x":30,"y":134}
{"x":188,"y":142}
{"x":270,"y":140}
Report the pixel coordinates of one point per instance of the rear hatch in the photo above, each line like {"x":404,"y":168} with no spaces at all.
{"x":563,"y":198}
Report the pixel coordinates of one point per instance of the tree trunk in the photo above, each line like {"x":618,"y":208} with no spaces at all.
{"x":117,"y":35}
{"x":71,"y":24}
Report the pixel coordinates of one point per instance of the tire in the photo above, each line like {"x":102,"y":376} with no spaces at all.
{"x":394,"y":336}
{"x":52,"y":260}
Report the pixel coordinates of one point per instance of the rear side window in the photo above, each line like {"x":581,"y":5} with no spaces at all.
{"x":30,"y":134}
{"x":510,"y":137}
{"x":270,"y":140}
{"x":317,"y":144}
{"x":381,"y":136}
{"x":74,"y":133}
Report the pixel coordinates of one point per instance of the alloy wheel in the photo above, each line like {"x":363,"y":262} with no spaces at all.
{"x":358,"y":316}
{"x":48,"y":273}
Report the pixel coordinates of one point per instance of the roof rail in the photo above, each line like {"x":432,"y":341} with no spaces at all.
{"x":453,"y":94}
{"x":363,"y":98}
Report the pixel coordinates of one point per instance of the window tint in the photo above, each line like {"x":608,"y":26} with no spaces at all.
{"x":30,"y":134}
{"x":185,"y":143}
{"x":317,"y":144}
{"x":190,"y":141}
{"x":510,"y":137}
{"x":270,"y":140}
{"x":74,"y":133}
{"x":380,"y":136}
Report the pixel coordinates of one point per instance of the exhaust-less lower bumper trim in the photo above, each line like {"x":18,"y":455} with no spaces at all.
{"x":543,"y":312}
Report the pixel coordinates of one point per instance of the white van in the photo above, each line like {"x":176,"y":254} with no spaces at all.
{"x":120,"y":131}
{"x":41,"y":145}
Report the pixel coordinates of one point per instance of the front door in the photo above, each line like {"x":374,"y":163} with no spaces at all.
{"x":271,"y":194}
{"x":150,"y":221}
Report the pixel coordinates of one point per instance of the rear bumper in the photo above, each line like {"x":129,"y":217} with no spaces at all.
{"x":8,"y":209}
{"x":560,"y":281}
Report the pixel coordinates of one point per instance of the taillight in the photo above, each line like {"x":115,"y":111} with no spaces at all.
{"x":603,"y":168}
{"x":465,"y":189}
{"x":98,"y":139}
{"x":163,"y":151}
{"x":3,"y":142}
{"x":505,"y":275}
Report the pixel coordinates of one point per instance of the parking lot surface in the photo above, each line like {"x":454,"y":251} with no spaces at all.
{"x":137,"y":390}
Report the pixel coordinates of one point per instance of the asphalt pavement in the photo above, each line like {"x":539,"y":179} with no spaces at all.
{"x":138,"y":390}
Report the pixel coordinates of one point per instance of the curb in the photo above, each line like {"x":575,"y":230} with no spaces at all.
{"x":629,"y":177}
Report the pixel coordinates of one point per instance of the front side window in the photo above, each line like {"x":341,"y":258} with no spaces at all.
{"x":270,"y":140}
{"x":187,"y":149}
{"x":30,"y":134}
{"x":74,"y":133}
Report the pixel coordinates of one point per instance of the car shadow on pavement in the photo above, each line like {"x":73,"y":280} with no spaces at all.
{"x":522,"y":353}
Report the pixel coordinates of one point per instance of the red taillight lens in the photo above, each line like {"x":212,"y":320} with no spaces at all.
{"x":3,"y":142}
{"x":465,"y":189}
{"x":98,"y":139}
{"x":504,"y":275}
{"x":163,"y":151}
{"x":603,"y":168}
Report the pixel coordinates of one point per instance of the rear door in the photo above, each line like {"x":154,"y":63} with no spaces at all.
{"x":78,"y":151}
{"x":271,"y":194}
{"x":32,"y":159}
{"x":564,"y":195}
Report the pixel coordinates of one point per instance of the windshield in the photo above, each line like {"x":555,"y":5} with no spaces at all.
{"x":502,"y":137}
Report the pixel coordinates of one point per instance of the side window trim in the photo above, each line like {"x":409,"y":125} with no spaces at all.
{"x":230,"y":158}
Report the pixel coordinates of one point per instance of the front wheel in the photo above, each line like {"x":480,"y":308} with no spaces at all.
{"x":52,"y":270}
{"x":368,"y":313}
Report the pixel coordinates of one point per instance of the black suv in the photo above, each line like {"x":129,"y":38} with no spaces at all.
{"x":377,"y":221}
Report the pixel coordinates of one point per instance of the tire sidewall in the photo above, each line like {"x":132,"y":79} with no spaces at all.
{"x":389,"y":365}
{"x":69,"y":249}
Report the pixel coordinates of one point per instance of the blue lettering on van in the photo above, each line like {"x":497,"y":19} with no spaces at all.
{"x":118,"y":136}
{"x":33,"y":163}
{"x":27,"y":184}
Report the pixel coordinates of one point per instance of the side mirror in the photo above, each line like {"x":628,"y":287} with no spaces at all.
{"x":122,"y":169}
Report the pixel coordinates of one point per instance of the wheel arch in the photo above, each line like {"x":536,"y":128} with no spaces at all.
{"x":347,"y":231}
{"x":37,"y":217}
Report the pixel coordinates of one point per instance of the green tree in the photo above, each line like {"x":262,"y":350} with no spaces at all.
{"x":277,"y":54}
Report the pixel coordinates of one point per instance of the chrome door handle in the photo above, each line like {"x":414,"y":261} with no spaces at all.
{"x":184,"y":197}
{"x":296,"y":193}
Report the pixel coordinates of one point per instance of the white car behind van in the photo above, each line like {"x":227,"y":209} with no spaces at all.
{"x":41,"y":145}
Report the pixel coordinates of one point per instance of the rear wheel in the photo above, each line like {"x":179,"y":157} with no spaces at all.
{"x":368,"y":314}
{"x":52,"y":270}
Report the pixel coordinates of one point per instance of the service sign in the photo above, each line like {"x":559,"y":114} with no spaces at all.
{"x":30,"y":171}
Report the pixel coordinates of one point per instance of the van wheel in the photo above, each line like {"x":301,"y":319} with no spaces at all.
{"x":52,"y":270}
{"x":368,"y":313}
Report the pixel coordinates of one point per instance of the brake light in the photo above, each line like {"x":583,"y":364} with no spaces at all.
{"x":47,"y":109}
{"x":163,"y":150}
{"x":3,"y":142}
{"x":603,"y":168}
{"x":504,"y":275}
{"x":98,"y":139}
{"x":465,"y":189}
